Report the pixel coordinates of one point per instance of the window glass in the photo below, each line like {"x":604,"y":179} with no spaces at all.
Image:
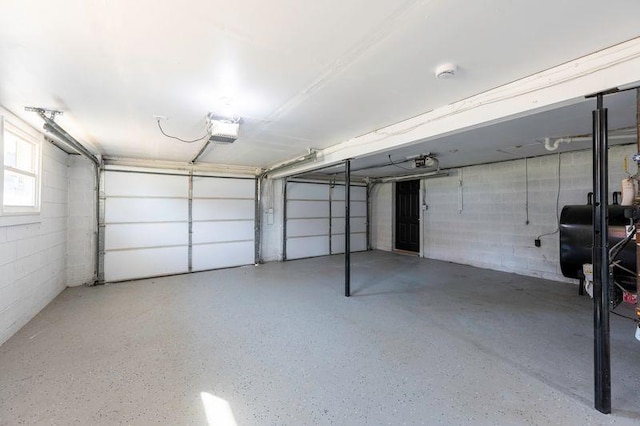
{"x":19,"y":189}
{"x":19,"y":153}
{"x":10,"y":154}
{"x":25,"y":158}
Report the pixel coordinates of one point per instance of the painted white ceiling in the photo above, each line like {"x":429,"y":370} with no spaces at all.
{"x":302,"y":74}
{"x":513,"y":139}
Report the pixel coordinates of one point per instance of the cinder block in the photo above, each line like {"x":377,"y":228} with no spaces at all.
{"x":493,"y":219}
{"x":33,"y":256}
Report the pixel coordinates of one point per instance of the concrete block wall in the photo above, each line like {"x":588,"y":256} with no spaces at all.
{"x":81,"y":227}
{"x":491,"y":230}
{"x":33,"y":256}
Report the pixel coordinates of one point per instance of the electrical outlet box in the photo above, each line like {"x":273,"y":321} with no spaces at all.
{"x":537,"y":242}
{"x":269,"y":216}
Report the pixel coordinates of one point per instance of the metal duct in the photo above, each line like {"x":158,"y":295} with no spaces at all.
{"x":52,"y":127}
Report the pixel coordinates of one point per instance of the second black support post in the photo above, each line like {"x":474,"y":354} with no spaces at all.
{"x":347,"y":228}
{"x":600,"y":255}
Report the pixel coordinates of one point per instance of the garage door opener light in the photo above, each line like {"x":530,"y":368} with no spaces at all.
{"x":222,"y":129}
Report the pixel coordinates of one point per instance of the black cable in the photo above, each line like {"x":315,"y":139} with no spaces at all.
{"x":557,"y":206}
{"x":616,"y":249}
{"x":391,"y":163}
{"x":181,"y":140}
{"x":624,"y":316}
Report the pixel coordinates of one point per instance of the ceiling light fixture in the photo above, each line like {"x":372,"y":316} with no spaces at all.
{"x":222,"y":129}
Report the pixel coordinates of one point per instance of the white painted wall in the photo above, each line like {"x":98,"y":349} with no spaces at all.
{"x":381,"y":204}
{"x":81,"y":222}
{"x":490,"y":232}
{"x":272,"y":200}
{"x":33,"y":257}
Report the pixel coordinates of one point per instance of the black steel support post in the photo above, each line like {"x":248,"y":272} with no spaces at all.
{"x":600,"y":256}
{"x":257,"y":229}
{"x":347,"y":228}
{"x":190,"y":261}
{"x":284,"y":219}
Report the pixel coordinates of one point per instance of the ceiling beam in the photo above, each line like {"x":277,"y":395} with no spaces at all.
{"x":563,"y":85}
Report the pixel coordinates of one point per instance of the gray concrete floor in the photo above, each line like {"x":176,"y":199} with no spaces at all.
{"x":420,"y":342}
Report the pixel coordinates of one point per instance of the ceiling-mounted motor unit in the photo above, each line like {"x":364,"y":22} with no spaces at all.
{"x":223,"y":129}
{"x":425,"y":160}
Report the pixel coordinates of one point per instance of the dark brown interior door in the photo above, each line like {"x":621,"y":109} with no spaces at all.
{"x":408,"y":215}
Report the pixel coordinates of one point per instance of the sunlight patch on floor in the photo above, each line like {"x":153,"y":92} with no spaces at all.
{"x":217,"y":410}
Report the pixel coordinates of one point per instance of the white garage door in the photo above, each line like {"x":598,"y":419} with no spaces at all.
{"x":223,"y":222}
{"x":315,"y":219}
{"x":147,"y":220}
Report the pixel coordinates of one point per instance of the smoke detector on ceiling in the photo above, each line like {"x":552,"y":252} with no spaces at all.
{"x":446,"y":71}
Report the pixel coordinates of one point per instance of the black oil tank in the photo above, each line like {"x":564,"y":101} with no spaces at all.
{"x":576,"y":240}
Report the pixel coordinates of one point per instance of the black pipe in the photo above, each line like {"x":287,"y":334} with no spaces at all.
{"x":600,"y":255}
{"x":347,"y":228}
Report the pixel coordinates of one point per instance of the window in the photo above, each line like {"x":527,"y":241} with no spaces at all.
{"x":20,"y":180}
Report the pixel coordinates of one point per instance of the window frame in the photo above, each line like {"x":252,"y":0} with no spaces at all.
{"x":20,"y":215}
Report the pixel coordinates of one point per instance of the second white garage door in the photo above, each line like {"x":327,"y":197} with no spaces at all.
{"x":316,"y":219}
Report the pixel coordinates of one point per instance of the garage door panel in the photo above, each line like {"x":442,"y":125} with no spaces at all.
{"x":358,"y":224}
{"x":223,"y":209}
{"x":212,"y":232}
{"x":307,"y":227}
{"x":209,"y":187}
{"x":130,"y":264}
{"x":145,"y":185}
{"x":119,"y":236}
{"x":298,"y":248}
{"x":307,"y":209}
{"x":358,"y":193}
{"x":307,"y":191}
{"x":146,"y":210}
{"x":358,"y":208}
{"x":358,"y":243}
{"x":223,"y":255}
